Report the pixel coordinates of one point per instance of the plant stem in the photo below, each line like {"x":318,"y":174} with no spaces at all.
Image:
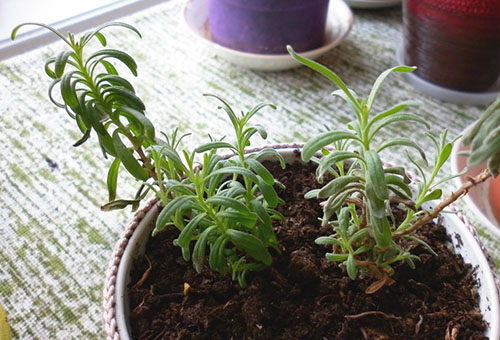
{"x":430,"y":215}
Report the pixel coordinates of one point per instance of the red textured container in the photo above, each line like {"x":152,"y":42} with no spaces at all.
{"x":454,"y":43}
{"x":267,"y":26}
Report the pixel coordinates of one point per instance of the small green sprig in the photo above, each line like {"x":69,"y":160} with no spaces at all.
{"x":101,"y":100}
{"x":225,"y":205}
{"x":358,"y":201}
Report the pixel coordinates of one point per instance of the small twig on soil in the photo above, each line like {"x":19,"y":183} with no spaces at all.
{"x":419,"y":323}
{"x":408,"y":203}
{"x":373,"y":312}
{"x":451,"y":333}
{"x":430,"y":215}
{"x":146,"y":296}
{"x":356,"y":201}
{"x":144,"y":276}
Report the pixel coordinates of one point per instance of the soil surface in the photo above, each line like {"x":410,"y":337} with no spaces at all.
{"x":303,"y":296}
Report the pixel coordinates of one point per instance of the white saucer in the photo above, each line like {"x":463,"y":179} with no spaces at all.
{"x":449,"y":95}
{"x":339,"y":23}
{"x":372,"y":3}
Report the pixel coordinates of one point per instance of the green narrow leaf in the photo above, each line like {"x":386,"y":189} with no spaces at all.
{"x":270,"y":195}
{"x":381,"y":231}
{"x":398,"y":170}
{"x":261,"y":171}
{"x":121,"y":94}
{"x":53,"y":30}
{"x":393,"y":110}
{"x":332,"y":158}
{"x":340,"y":93}
{"x":402,"y":141}
{"x":177,"y":204}
{"x":67,"y":90}
{"x":359,"y":235}
{"x":85,"y":137}
{"x":423,"y":243}
{"x":327,"y":73}
{"x":328,"y":240}
{"x":444,"y":155}
{"x":246,"y":219}
{"x":109,"y":67}
{"x":112,"y":180}
{"x":228,"y":203}
{"x":471,"y":136}
{"x":116,"y":80}
{"x":199,"y":249}
{"x":317,"y":143}
{"x":216,"y":257}
{"x":376,"y":206}
{"x":128,"y":159}
{"x":399,"y":182}
{"x":398,"y":117}
{"x":375,"y":173}
{"x":101,"y":38}
{"x":434,"y":195}
{"x":214,"y":145}
{"x":378,"y":82}
{"x":226,"y":107}
{"x":60,"y":63}
{"x":118,"y":204}
{"x":186,"y":234}
{"x":254,"y":110}
{"x":251,"y":244}
{"x":337,"y":185}
{"x":269,"y":153}
{"x":265,"y":228}
{"x":312,"y":194}
{"x":117,"y":54}
{"x":234,"y":170}
{"x":336,"y":257}
{"x":48,"y":70}
{"x":139,"y":120}
{"x":90,"y":35}
{"x":352,"y":270}
{"x":186,"y":254}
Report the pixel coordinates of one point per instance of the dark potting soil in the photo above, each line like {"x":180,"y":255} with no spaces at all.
{"x":303,"y":296}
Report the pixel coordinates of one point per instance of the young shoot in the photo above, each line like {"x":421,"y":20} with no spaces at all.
{"x":358,"y":203}
{"x":222,"y":207}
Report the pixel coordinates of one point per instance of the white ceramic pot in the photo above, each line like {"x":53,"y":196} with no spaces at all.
{"x":133,"y":243}
{"x":477,"y":201}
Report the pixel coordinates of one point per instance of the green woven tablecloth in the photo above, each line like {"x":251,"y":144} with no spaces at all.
{"x":54,"y":240}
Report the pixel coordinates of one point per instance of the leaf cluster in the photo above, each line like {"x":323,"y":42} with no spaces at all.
{"x":358,"y":201}
{"x":484,"y":139}
{"x":222,"y":207}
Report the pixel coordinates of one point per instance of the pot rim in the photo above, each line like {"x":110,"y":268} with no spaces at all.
{"x":110,"y":294}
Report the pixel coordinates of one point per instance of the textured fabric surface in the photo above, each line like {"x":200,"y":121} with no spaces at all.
{"x":54,"y":240}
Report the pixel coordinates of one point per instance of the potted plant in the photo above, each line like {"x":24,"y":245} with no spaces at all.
{"x":483,"y":200}
{"x":453,"y":43}
{"x":266,"y":27}
{"x":348,"y":260}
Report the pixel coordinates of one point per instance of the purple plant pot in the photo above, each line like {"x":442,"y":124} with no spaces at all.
{"x":454,"y":43}
{"x":267,"y":26}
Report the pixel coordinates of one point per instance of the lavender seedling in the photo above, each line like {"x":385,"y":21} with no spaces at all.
{"x":358,"y":201}
{"x":223,"y":208}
